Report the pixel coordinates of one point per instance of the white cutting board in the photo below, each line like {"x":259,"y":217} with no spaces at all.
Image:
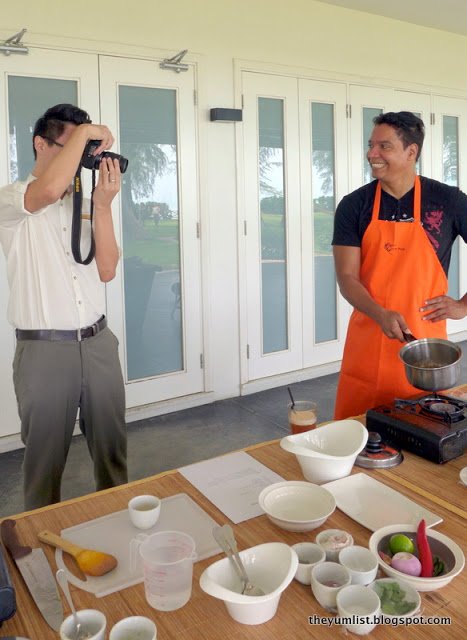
{"x":112,"y":534}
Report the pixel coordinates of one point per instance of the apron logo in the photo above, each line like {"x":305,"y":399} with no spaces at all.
{"x":390,"y":248}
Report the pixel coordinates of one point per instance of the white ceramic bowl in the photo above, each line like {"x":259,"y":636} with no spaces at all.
{"x":328,"y":452}
{"x":360,"y":562}
{"x":270,"y":566}
{"x":449,"y":552}
{"x":309,"y":554}
{"x":333,"y":541}
{"x":358,"y":600}
{"x":295,"y":505}
{"x":410,"y":595}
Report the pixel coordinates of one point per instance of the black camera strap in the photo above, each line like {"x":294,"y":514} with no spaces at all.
{"x":76,"y":220}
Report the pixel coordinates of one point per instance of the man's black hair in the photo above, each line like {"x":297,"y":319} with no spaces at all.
{"x":51,"y":125}
{"x":408,"y":126}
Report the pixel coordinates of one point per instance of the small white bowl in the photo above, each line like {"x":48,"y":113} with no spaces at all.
{"x":361,"y":563}
{"x":357,"y":600}
{"x":309,"y":554}
{"x":333,"y":541}
{"x":270,"y":566}
{"x":93,"y":624}
{"x":449,"y":552}
{"x":410,"y":595}
{"x":295,"y":505}
{"x":144,"y":511}
{"x":327,"y":579}
{"x":134,"y":628}
{"x":328,"y":452}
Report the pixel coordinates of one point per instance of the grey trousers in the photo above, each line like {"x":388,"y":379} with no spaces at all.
{"x":52,"y":380}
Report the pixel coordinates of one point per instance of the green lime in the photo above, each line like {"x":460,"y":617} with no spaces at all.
{"x":400,"y":542}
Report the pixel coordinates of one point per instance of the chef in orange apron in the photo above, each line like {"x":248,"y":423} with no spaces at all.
{"x":400,"y":271}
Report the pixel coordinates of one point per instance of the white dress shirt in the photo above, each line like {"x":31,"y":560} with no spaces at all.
{"x":48,"y":289}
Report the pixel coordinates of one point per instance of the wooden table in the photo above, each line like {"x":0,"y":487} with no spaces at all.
{"x":436,"y":487}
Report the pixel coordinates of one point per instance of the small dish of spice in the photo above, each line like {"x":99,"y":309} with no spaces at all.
{"x":332,"y":541}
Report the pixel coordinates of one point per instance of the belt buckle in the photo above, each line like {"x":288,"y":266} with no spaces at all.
{"x":78,"y":335}
{"x":95,"y":328}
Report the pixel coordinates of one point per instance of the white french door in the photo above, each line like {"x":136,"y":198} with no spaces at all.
{"x":295,"y":171}
{"x":450,"y":167}
{"x":272,"y":206}
{"x":30,"y":85}
{"x":323,"y":182}
{"x":154,"y":304}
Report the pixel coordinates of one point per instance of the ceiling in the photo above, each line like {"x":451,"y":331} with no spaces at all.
{"x":447,"y":15}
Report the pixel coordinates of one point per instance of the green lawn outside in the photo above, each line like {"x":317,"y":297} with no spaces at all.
{"x":272,"y":234}
{"x":160,"y":246}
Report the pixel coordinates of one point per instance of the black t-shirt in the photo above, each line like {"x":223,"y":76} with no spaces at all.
{"x":444,"y":215}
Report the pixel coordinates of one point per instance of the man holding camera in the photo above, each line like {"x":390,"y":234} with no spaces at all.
{"x":66,"y":358}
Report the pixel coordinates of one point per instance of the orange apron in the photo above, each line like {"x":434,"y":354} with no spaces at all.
{"x":401,"y":271}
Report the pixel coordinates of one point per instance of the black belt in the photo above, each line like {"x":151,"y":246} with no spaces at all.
{"x":62,"y":334}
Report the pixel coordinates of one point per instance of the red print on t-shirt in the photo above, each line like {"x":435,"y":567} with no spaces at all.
{"x":432,"y":223}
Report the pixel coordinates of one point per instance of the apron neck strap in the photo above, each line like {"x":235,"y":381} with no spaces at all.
{"x":417,"y":201}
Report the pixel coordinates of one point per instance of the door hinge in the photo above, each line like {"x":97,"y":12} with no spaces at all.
{"x":245,"y":231}
{"x":201,"y":361}
{"x":243,"y":102}
{"x":432,"y":118}
{"x":247,"y":351}
{"x":195,"y":97}
{"x":198,"y":230}
{"x":348,"y":110}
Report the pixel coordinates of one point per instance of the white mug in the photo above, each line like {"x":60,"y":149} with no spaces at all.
{"x":134,"y":627}
{"x":144,"y":511}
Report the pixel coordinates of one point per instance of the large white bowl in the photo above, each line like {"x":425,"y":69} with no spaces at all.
{"x":270,"y":566}
{"x":296,"y":505}
{"x":440,"y":545}
{"x":327,"y":453}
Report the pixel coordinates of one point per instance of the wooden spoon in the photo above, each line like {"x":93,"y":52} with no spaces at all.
{"x":93,"y":563}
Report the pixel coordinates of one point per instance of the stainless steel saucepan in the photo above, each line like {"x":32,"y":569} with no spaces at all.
{"x":431,"y":364}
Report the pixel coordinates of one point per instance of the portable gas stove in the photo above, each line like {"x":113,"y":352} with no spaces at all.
{"x":432,"y":426}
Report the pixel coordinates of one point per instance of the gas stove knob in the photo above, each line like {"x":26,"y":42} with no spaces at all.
{"x":374,"y":441}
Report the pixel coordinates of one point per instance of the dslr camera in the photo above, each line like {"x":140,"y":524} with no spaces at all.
{"x":90,"y":161}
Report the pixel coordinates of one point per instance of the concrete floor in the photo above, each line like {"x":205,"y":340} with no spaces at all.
{"x":184,"y":437}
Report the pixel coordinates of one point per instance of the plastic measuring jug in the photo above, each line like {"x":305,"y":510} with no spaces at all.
{"x":167,"y":558}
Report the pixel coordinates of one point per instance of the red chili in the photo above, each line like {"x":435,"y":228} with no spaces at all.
{"x":424,"y":551}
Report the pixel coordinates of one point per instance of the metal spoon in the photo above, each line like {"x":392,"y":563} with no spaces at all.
{"x":63,"y":582}
{"x":226,"y":539}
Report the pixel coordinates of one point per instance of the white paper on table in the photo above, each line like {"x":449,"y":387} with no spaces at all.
{"x":232,"y":483}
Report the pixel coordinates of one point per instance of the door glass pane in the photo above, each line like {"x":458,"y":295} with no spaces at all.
{"x":368,"y":113}
{"x":273,"y":224}
{"x":151,"y":231}
{"x":28,"y":99}
{"x":323,"y":191}
{"x":451,"y":177}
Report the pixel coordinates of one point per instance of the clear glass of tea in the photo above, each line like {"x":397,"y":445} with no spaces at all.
{"x":302,"y":416}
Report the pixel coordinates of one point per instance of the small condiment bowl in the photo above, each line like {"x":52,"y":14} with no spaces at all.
{"x":361,"y":563}
{"x":92,"y":627}
{"x":134,"y":628}
{"x":333,"y":541}
{"x":144,"y":511}
{"x":309,"y":554}
{"x":327,"y":579}
{"x":409,"y":596}
{"x":361,"y":606}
